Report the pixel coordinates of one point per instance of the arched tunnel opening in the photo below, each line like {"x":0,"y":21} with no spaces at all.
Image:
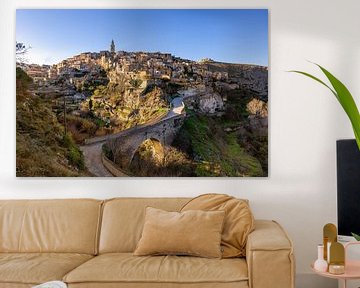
{"x":152,"y":158}
{"x":148,"y":158}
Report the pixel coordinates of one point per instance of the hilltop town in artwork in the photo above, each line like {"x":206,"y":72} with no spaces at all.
{"x":117,"y":112}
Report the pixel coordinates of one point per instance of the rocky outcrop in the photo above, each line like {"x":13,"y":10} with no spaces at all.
{"x":255,"y":79}
{"x":258,"y":108}
{"x":122,"y":108}
{"x":211,"y":103}
{"x":249,"y":77}
{"x":202,"y":99}
{"x":258,"y":118}
{"x":223,"y":86}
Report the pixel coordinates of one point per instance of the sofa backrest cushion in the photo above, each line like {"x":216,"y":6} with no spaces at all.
{"x":238,"y":224}
{"x":123,"y":220}
{"x":64,"y":226}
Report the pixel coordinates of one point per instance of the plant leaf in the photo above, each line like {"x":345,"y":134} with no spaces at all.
{"x":316,"y":79}
{"x":347,"y":102}
{"x":357,"y":137}
{"x":357,"y":237}
{"x":344,"y":97}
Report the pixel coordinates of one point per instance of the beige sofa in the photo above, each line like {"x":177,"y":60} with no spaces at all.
{"x":89,"y":243}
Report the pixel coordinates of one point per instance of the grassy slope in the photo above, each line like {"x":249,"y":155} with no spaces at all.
{"x":217,"y":153}
{"x":41,"y":149}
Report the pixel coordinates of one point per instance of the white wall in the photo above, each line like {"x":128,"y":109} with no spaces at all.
{"x":305,"y":120}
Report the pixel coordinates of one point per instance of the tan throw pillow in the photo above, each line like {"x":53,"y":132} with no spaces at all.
{"x":196,"y":233}
{"x":239,"y":220}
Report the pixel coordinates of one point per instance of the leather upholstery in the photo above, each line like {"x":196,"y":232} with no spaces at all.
{"x":41,"y":226}
{"x":15,"y":285}
{"x":269,"y":256}
{"x":64,"y":226}
{"x":242,"y":284}
{"x":239,"y":220}
{"x":126,"y":268}
{"x":192,"y":233}
{"x":123,"y":220}
{"x":37,"y":268}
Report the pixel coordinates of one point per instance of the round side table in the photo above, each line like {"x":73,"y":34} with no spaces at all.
{"x":352,"y":269}
{"x":352,"y":272}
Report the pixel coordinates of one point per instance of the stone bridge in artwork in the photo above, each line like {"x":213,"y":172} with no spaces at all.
{"x":161,"y":131}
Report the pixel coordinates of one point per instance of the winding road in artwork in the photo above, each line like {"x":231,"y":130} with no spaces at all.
{"x":93,"y":160}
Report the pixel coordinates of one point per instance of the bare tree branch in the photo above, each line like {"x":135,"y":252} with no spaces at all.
{"x":20,"y":50}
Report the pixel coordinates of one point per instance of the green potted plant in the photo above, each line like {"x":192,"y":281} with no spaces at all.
{"x":344,"y":97}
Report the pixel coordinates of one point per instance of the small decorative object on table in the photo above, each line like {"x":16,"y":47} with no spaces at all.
{"x":52,"y":284}
{"x":320,"y":264}
{"x":337,"y":259}
{"x":329,"y":236}
{"x":333,"y":251}
{"x":340,"y":267}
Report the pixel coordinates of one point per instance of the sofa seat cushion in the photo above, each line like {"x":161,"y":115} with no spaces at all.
{"x":127,"y":268}
{"x":242,"y":284}
{"x":36,"y":268}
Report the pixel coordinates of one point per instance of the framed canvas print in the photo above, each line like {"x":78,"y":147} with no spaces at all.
{"x":142,"y":92}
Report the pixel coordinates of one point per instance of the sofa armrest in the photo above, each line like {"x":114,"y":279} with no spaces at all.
{"x":269,"y":256}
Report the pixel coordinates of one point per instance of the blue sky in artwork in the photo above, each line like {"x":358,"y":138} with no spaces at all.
{"x":235,"y":36}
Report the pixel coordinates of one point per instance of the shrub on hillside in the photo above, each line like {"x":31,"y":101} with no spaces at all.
{"x":74,"y":155}
{"x":22,"y":84}
{"x":41,"y":149}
